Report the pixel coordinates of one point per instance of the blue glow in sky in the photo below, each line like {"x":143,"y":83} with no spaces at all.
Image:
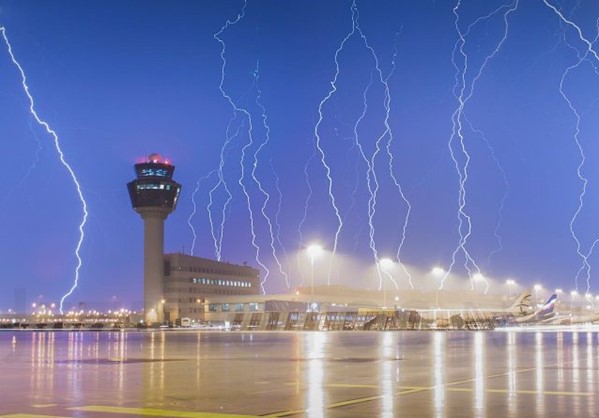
{"x":118,"y":80}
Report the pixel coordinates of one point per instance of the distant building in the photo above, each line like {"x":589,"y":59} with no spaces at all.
{"x":189,"y":281}
{"x":20,"y":300}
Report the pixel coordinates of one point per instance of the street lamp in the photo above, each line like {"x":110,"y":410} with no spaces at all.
{"x":537,"y":287}
{"x":510,"y":283}
{"x":573,"y":293}
{"x":477,"y":278}
{"x":437,"y":272}
{"x":385,"y":263}
{"x":314,"y":251}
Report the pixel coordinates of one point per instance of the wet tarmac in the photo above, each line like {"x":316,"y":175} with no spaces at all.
{"x":305,"y":374}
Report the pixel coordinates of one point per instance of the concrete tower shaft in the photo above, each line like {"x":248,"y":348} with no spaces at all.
{"x":154,"y":196}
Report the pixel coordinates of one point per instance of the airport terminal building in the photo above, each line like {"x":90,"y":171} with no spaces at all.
{"x":189,"y":281}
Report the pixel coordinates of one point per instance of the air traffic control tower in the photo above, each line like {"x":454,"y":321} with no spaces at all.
{"x":154,"y":196}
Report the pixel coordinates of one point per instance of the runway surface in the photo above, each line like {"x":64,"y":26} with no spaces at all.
{"x":299,"y":374}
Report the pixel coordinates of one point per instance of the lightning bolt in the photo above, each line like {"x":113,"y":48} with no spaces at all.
{"x":193,"y":201}
{"x":237,"y":109}
{"x":389,"y":133}
{"x":463,"y":91}
{"x":305,"y":215}
{"x":278,"y":212}
{"x":323,"y":158}
{"x":265,"y":194}
{"x":506,"y":192}
{"x":371,"y":178}
{"x":370,"y":163}
{"x":218,"y":237}
{"x":585,"y":266}
{"x":56,"y":140}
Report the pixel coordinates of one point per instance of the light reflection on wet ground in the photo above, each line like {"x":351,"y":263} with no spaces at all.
{"x":313,"y":374}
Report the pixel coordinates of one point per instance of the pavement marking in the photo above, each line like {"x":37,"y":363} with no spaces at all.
{"x":150,"y":412}
{"x":45,"y":405}
{"x":353,"y":401}
{"x":525,"y":392}
{"x":348,"y":385}
{"x":29,"y":416}
{"x":284,"y":413}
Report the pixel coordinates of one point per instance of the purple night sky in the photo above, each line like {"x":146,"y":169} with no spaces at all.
{"x":500,"y":97}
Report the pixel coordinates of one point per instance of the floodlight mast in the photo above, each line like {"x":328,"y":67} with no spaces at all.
{"x":314,"y":250}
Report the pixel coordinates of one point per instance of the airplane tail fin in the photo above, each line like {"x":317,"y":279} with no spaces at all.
{"x":523,"y":304}
{"x":549,"y":306}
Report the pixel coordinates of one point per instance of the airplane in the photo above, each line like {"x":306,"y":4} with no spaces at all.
{"x":543,"y":314}
{"x":569,"y":319}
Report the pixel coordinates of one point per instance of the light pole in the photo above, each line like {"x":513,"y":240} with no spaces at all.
{"x":537,"y":287}
{"x":314,"y":251}
{"x":477,"y":278}
{"x":510,"y":284}
{"x":438,"y":272}
{"x":385,"y":263}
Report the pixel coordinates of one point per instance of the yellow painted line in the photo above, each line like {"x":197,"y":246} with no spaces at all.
{"x":354,"y":401}
{"x":337,"y":385}
{"x":349,"y":385}
{"x":413,"y":390}
{"x":150,"y":412}
{"x":525,"y":392}
{"x":45,"y":405}
{"x":29,"y":416}
{"x":284,"y":414}
{"x":415,"y":387}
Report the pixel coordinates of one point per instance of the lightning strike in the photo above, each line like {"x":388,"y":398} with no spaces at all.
{"x":462,"y":92}
{"x":193,"y":212}
{"x":585,"y":266}
{"x":589,"y":51}
{"x":265,"y":194}
{"x":323,"y":158}
{"x":305,"y":215}
{"x":278,"y":211}
{"x":389,"y":133}
{"x":218,"y":237}
{"x":237,"y":109}
{"x":370,"y":162}
{"x":67,"y":166}
{"x":506,"y":192}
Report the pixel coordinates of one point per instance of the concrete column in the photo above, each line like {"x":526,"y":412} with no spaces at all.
{"x":153,"y":263}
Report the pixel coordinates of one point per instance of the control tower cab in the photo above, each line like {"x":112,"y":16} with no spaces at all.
{"x":154,"y":196}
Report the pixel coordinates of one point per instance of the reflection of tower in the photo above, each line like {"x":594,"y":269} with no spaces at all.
{"x":154,"y":196}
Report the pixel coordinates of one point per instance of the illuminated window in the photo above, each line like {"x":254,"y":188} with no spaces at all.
{"x":253,"y":306}
{"x":212,"y":307}
{"x":226,"y":307}
{"x":239,"y":307}
{"x":155,"y":172}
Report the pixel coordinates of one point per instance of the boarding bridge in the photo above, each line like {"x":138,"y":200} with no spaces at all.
{"x":366,"y":320}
